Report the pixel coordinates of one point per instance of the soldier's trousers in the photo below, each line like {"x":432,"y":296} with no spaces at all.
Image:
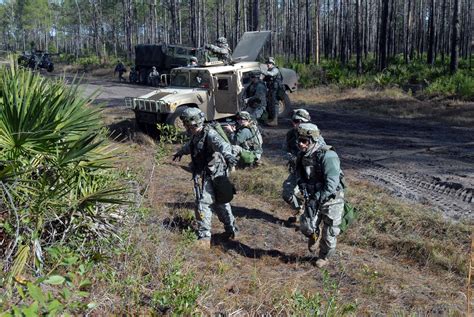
{"x":290,"y":190}
{"x":330,"y":215}
{"x":205,"y":209}
{"x":255,"y":112}
{"x":272,"y":104}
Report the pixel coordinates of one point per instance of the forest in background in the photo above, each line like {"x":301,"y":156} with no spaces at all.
{"x":303,"y":30}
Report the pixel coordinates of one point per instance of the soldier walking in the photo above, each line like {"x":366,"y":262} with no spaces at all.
{"x":255,"y":97}
{"x":290,"y":187}
{"x":221,"y":49}
{"x":120,"y":69}
{"x":273,"y":80}
{"x":211,"y":158}
{"x":320,"y":179}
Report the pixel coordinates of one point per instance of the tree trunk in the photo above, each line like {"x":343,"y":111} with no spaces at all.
{"x":453,"y":67}
{"x":357,"y":38}
{"x":383,"y":36}
{"x":431,"y":48}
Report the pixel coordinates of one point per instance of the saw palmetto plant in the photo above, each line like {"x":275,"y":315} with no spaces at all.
{"x":56,"y":184}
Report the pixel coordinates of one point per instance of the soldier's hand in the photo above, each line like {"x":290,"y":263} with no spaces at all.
{"x":232,"y":160}
{"x":177,"y":156}
{"x":207,"y":46}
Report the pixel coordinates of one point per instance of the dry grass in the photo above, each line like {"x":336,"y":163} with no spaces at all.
{"x":389,"y":102}
{"x":397,"y":258}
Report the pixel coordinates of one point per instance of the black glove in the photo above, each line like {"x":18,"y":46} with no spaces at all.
{"x":232,"y":160}
{"x":207,"y":46}
{"x":177,"y":156}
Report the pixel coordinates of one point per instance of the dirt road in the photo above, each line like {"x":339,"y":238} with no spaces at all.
{"x":422,"y":161}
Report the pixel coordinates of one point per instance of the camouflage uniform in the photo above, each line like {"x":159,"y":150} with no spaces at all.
{"x":120,"y":69}
{"x":247,"y":140}
{"x":273,"y":80}
{"x":290,"y":187}
{"x":256,"y":97}
{"x":222,"y":50}
{"x":154,"y":77}
{"x":319,"y":172}
{"x":211,"y":156}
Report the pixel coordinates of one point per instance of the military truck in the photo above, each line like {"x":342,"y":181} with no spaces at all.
{"x":163,"y":56}
{"x":213,"y":87}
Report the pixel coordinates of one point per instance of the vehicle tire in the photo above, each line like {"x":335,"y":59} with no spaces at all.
{"x":285,"y":107}
{"x":174,"y":120}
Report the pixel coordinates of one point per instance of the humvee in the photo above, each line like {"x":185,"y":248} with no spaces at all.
{"x":213,"y":87}
{"x":163,"y":56}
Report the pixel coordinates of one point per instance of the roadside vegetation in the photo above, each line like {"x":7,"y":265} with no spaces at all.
{"x":415,"y":77}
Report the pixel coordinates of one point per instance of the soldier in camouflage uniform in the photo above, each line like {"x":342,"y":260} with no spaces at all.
{"x":211,"y":156}
{"x":290,"y":187}
{"x":222,"y":50}
{"x":273,"y":80}
{"x":255,"y":97}
{"x":246,"y":139}
{"x":320,"y":179}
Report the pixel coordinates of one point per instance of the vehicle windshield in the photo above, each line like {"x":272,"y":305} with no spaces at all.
{"x":190,"y":78}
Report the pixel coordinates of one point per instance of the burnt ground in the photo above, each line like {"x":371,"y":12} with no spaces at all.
{"x":416,"y":160}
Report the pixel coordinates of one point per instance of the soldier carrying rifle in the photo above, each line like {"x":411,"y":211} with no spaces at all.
{"x":211,"y":158}
{"x":320,"y":179}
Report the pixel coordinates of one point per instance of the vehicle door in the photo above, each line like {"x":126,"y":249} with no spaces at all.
{"x":225,"y":93}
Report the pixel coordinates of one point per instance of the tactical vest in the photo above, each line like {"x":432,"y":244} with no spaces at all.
{"x":316,"y":179}
{"x":255,"y":142}
{"x":201,"y":153}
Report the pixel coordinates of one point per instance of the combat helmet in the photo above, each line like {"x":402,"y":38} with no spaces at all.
{"x":309,"y":131}
{"x":193,"y":59}
{"x":192,"y":116}
{"x":221,"y":40}
{"x":301,"y":115}
{"x":270,"y":60}
{"x":244,"y":115}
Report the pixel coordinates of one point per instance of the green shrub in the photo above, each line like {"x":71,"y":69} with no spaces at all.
{"x":89,"y":62}
{"x":55,"y":179}
{"x":460,"y":85}
{"x":178,"y":292}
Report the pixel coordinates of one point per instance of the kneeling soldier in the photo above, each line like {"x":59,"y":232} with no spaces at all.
{"x":319,"y":178}
{"x":246,"y":139}
{"x":211,"y":156}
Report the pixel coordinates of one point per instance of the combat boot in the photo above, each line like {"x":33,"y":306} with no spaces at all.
{"x":273,"y":122}
{"x":203,"y":244}
{"x":322,"y":262}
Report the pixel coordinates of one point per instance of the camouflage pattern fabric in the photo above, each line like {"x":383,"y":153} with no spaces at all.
{"x":256,"y":95}
{"x":272,"y":79}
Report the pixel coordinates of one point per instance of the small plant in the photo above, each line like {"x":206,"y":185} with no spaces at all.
{"x":169,"y":134}
{"x":178,"y":293}
{"x":53,"y":294}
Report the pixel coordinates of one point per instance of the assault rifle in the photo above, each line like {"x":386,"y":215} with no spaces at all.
{"x":311,"y":207}
{"x":197,"y":191}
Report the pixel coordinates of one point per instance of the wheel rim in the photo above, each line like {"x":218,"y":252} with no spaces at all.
{"x":281,"y":107}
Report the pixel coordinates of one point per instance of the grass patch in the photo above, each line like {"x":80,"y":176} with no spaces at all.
{"x":411,"y":231}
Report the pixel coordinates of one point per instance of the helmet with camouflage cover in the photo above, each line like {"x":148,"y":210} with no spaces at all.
{"x":244,"y":115}
{"x":301,"y":115}
{"x":309,"y":131}
{"x":192,"y":116}
{"x":270,"y":60}
{"x":221,"y":40}
{"x":193,"y":59}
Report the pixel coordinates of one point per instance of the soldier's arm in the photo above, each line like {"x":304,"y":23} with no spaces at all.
{"x":184,"y":150}
{"x":243,"y":135}
{"x":219,"y":145}
{"x":332,"y":170}
{"x":272,"y":73}
{"x":216,"y":49}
